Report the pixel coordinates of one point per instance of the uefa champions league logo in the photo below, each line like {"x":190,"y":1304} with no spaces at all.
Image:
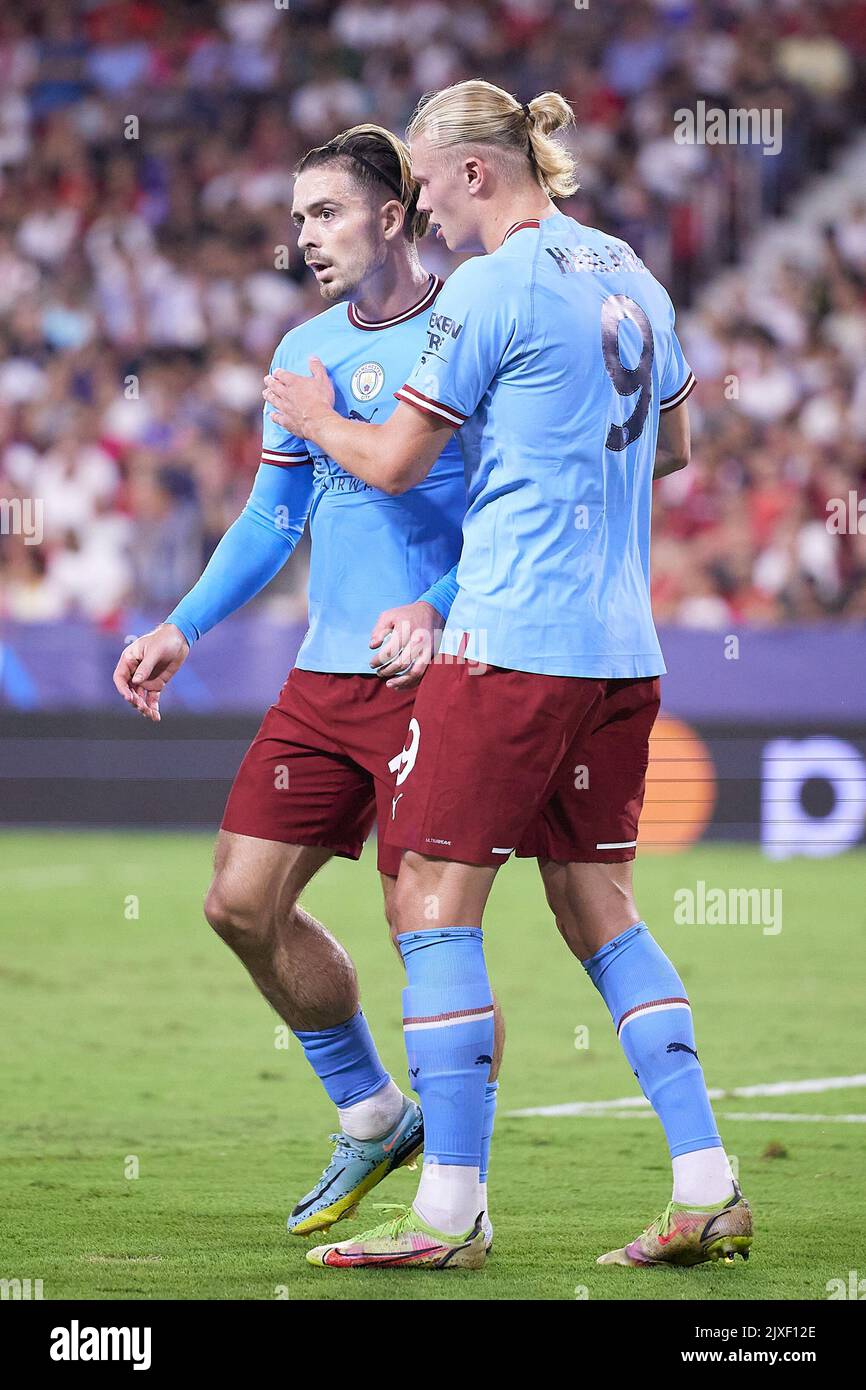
{"x":368,"y":381}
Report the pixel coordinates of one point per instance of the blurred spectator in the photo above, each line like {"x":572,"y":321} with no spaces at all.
{"x":145,"y":187}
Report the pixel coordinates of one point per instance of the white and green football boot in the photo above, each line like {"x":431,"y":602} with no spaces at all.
{"x":684,"y":1235}
{"x":405,"y":1242}
{"x":356,"y":1166}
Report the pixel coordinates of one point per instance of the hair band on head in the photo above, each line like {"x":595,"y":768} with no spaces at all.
{"x":376,"y":172}
{"x":530,"y":151}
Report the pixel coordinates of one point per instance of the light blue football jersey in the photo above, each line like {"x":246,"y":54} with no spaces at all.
{"x":553,"y":356}
{"x":369,"y":550}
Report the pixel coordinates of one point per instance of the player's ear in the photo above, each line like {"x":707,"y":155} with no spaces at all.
{"x":474,"y":172}
{"x":393,"y":217}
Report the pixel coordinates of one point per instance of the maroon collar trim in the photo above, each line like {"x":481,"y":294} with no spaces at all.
{"x":373,"y":325}
{"x":519,"y":226}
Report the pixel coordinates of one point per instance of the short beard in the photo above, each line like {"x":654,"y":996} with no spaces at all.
{"x":334,"y":294}
{"x":345,"y":293}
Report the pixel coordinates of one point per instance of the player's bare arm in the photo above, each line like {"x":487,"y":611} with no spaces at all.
{"x":393,"y":456}
{"x":674,"y":446}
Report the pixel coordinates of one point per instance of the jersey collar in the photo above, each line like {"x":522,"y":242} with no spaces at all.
{"x":519,"y":226}
{"x":372,"y":325}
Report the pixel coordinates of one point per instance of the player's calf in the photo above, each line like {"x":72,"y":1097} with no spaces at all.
{"x":252,"y":904}
{"x":653,"y":1020}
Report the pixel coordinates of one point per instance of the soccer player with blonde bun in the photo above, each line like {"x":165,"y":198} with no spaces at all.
{"x":553,"y":352}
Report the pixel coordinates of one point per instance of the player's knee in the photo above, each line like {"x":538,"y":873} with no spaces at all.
{"x":398,"y":922}
{"x":232,"y":914}
{"x":568,"y":922}
{"x":394,"y":932}
{"x":557,"y":902}
{"x":402,"y":907}
{"x":388,"y":886}
{"x":391,"y":919}
{"x":562,"y":928}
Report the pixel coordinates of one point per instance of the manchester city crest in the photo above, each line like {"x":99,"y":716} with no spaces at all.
{"x":367,"y":381}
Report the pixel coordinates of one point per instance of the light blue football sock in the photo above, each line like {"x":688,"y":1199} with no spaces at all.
{"x":448,"y":1026}
{"x":345,"y":1060}
{"x":653,"y":1020}
{"x":487,"y":1131}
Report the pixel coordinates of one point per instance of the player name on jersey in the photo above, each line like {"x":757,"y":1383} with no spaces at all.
{"x":573,"y":258}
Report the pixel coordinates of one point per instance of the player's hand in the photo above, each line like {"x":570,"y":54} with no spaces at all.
{"x":299,"y":401}
{"x":407,"y":639}
{"x":147,"y":665}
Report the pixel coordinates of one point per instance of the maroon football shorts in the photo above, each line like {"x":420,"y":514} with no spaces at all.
{"x":499,"y":762}
{"x":316,"y":772}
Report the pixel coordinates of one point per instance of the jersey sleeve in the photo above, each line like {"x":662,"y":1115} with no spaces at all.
{"x":678,"y":379}
{"x":442,"y":593}
{"x":470,"y":327}
{"x":251,"y":552}
{"x":278,"y":445}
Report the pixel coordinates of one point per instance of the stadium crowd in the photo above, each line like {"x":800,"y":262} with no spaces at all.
{"x":147,"y":268}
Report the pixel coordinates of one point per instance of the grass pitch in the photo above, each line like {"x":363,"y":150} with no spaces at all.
{"x":155,"y":1137}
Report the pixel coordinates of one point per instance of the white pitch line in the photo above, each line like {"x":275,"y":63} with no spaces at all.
{"x":638,"y":1103}
{"x":801,"y":1088}
{"x":770,"y":1115}
{"x":781,"y":1115}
